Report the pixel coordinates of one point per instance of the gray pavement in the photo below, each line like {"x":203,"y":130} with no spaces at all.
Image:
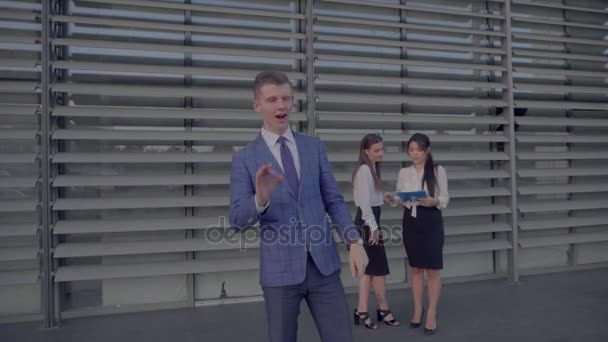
{"x":558,"y":307}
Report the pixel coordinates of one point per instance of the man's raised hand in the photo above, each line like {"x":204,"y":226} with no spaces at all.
{"x":266,"y":180}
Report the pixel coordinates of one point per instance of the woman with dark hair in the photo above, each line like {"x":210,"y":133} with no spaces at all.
{"x":367,"y":190}
{"x":423,"y":225}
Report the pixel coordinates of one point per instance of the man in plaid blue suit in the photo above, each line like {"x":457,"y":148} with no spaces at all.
{"x":284,"y":180}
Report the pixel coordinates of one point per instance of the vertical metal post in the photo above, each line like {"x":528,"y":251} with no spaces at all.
{"x":403,"y":106}
{"x":188,"y":167}
{"x":310,"y":68}
{"x":572,"y":258}
{"x":47,"y":286}
{"x":508,"y":63}
{"x":300,"y":26}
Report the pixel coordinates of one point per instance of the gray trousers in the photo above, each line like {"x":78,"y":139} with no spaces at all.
{"x":325,"y":298}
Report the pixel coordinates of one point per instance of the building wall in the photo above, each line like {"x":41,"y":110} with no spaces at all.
{"x":149,"y":100}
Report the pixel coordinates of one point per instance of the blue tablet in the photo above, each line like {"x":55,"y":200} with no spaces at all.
{"x":412,"y":195}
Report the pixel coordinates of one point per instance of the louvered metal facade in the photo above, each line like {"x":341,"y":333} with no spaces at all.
{"x":118,"y":120}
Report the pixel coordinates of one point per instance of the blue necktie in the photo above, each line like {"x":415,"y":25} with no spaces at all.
{"x":289,"y":167}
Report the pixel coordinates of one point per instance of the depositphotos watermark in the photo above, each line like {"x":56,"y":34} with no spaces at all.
{"x":293,"y":234}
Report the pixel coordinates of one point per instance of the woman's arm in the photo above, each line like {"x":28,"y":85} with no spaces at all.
{"x":364,"y":183}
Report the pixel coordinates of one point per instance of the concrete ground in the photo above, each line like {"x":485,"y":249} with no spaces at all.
{"x":558,"y":307}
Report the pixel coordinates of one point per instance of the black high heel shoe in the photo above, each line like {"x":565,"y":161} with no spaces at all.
{"x":382,"y":317}
{"x":417,"y":324}
{"x":428,"y":331}
{"x":363,"y":317}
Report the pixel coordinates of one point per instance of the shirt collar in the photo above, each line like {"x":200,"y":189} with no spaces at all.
{"x":271,"y":138}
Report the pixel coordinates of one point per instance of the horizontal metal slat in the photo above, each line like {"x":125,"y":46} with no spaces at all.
{"x":165,"y":69}
{"x":159,"y":26}
{"x":17,"y":158}
{"x":138,"y":202}
{"x":356,"y":137}
{"x":496,"y":209}
{"x":92,"y":272}
{"x":22,"y":15}
{"x":561,"y":155}
{"x":18,"y":63}
{"x":17,"y":134}
{"x":22,"y":277}
{"x":142,"y":180}
{"x":562,"y":172}
{"x":17,"y":182}
{"x":18,"y":109}
{"x":19,"y":87}
{"x":560,"y":122}
{"x":563,"y":222}
{"x":562,"y":105}
{"x":419,"y":8}
{"x":17,"y":229}
{"x":157,"y":91}
{"x":552,"y":240}
{"x":7,"y":206}
{"x":158,"y":135}
{"x":346,"y":157}
{"x":535,"y":207}
{"x":408,"y":62}
{"x":559,"y":89}
{"x":150,"y":157}
{"x":558,"y":6}
{"x":459,"y":175}
{"x":476,"y":246}
{"x":565,"y":72}
{"x":104,"y":44}
{"x":20,"y":37}
{"x":541,"y":20}
{"x":71,"y":250}
{"x":345,"y":20}
{"x":540,"y":138}
{"x":399,"y":99}
{"x":557,"y":55}
{"x":143,"y":157}
{"x":200,"y":8}
{"x":164,"y":113}
{"x":409,"y":118}
{"x":553,"y":38}
{"x":463,"y":229}
{"x":410,"y":81}
{"x":407,"y":44}
{"x":561,"y":188}
{"x":480,"y":192}
{"x":137,"y":225}
{"x":18,"y":253}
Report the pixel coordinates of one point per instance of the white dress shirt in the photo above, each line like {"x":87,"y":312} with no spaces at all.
{"x":411,"y":180}
{"x":366,"y":196}
{"x":273,"y":144}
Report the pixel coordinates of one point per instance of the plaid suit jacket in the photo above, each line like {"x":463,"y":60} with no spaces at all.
{"x":291,"y":222}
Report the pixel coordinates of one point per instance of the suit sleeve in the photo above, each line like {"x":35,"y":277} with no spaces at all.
{"x":243,"y":209}
{"x":333,"y":199}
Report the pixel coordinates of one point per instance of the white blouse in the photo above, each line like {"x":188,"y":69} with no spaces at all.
{"x":366,"y":196}
{"x":411,"y":180}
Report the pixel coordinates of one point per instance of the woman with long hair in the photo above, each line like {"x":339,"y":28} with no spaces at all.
{"x":367,"y":190}
{"x":423,"y":226}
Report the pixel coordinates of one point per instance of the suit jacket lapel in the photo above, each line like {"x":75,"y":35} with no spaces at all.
{"x":305,"y":162}
{"x":268,"y":158}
